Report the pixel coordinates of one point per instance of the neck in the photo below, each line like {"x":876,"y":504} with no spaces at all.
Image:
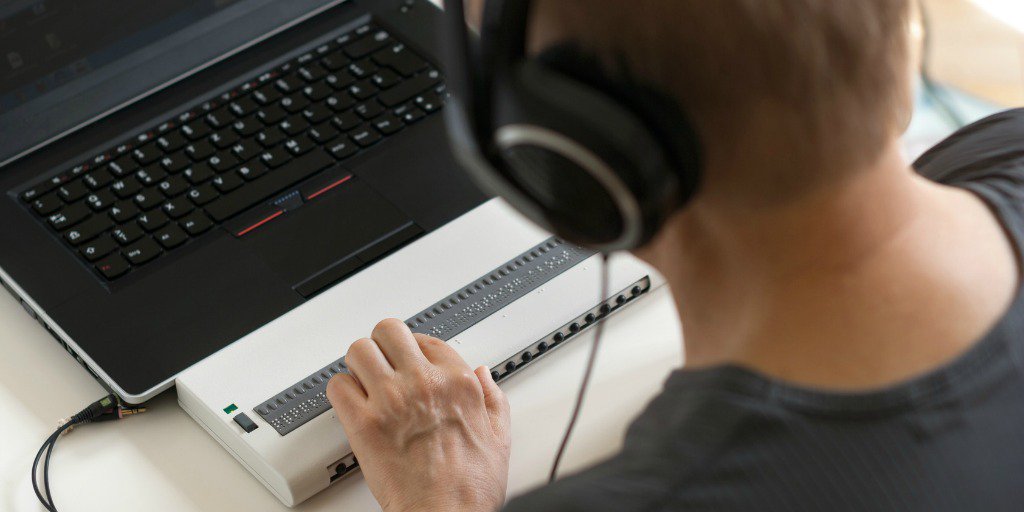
{"x":789,"y":287}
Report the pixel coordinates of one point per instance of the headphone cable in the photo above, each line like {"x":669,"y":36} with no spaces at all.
{"x":591,"y":361}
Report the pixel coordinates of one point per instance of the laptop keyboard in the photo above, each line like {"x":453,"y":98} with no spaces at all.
{"x":150,"y":195}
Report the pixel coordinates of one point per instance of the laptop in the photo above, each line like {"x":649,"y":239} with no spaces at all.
{"x":221,"y":195}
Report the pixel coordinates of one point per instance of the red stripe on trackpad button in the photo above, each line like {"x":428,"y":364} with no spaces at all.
{"x":252,"y":223}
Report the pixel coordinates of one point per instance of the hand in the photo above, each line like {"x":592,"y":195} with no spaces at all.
{"x":428,"y":431}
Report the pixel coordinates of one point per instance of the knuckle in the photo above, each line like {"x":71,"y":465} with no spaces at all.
{"x":360,"y":349}
{"x":389,"y":327}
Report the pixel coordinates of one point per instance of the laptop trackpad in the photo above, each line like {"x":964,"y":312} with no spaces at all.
{"x":330,"y":236}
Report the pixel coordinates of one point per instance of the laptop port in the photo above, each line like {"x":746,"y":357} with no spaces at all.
{"x":343,"y":467}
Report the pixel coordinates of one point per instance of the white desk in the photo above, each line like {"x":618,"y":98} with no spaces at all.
{"x":163,"y":461}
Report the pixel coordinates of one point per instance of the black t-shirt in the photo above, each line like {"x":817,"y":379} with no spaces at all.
{"x":730,"y":439}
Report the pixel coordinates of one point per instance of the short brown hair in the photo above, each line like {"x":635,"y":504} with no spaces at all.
{"x":832,"y":73}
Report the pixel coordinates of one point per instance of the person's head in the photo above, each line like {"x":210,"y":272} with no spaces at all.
{"x":786,"y":95}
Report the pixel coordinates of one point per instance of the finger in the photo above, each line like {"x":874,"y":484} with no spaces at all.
{"x":438,"y":352}
{"x":496,"y":403}
{"x":398,"y":344}
{"x":368,"y":364}
{"x":346,"y":395}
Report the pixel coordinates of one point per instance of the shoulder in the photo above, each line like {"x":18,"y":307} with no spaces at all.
{"x":991,"y":144}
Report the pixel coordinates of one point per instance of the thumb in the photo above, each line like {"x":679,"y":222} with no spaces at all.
{"x":496,"y":403}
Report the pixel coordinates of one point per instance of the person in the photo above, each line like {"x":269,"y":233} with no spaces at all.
{"x":853,"y":324}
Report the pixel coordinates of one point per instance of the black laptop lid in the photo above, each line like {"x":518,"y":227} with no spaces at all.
{"x":64,"y":63}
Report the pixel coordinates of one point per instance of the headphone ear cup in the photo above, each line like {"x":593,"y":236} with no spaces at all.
{"x":593,"y":167}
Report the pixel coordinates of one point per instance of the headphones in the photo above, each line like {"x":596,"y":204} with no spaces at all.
{"x":599,"y":160}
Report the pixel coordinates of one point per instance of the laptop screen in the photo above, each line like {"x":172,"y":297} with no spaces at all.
{"x":64,"y":62}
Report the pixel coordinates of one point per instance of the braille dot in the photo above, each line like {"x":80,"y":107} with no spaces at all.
{"x":510,"y":366}
{"x":542,"y":346}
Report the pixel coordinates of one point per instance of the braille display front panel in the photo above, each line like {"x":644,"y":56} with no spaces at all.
{"x":307,"y":399}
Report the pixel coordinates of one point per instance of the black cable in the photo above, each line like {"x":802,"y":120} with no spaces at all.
{"x":591,"y":360}
{"x":104,"y":409}
{"x":931,"y":87}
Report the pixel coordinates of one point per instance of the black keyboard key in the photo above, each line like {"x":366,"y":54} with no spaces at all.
{"x":199,"y":173}
{"x":412,"y":115}
{"x":224,"y":138}
{"x":123,"y":166}
{"x":362,"y":69}
{"x":127,"y":234}
{"x":73,"y":191}
{"x":400,"y":59}
{"x":223,"y":162}
{"x":176,"y":162}
{"x":294,"y":103}
{"x":294,"y":125}
{"x":335,"y":61}
{"x":152,"y":220}
{"x":407,"y":90}
{"x":271,"y":137}
{"x":196,"y":130}
{"x":266,"y":95}
{"x":429,"y":102}
{"x":385,"y":78}
{"x":275,"y":157}
{"x":347,"y":121}
{"x":300,"y":145}
{"x":174,"y":186}
{"x":69,"y":216}
{"x":36,"y":191}
{"x":247,"y":126}
{"x":289,"y":84}
{"x":316,"y":114}
{"x":97,"y":248}
{"x":363,"y":89}
{"x":47,"y":204}
{"x":100,"y":200}
{"x":249,"y":172}
{"x":87,"y":230}
{"x":123,"y":212}
{"x":199,"y":151}
{"x":147,"y":154}
{"x":148,"y":198}
{"x":243,"y":106}
{"x":369,"y":110}
{"x":388,"y":124}
{"x":196,"y":223}
{"x":312,"y":72}
{"x":126,"y":187}
{"x":113,"y":267}
{"x":317,"y":91}
{"x":98,"y":178}
{"x":171,"y":142}
{"x":343,"y":149}
{"x":178,"y":207}
{"x":340,"y":80}
{"x":246,"y":150}
{"x":219,"y":118}
{"x":271,"y":115}
{"x":151,"y":175}
{"x":229,"y":181}
{"x":142,"y":252}
{"x":368,"y":44}
{"x":323,"y":133}
{"x":340,"y":102}
{"x":289,"y":174}
{"x":365,"y":136}
{"x":170,"y":237}
{"x":203,"y":194}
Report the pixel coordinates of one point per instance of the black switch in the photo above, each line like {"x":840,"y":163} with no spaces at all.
{"x":245,"y":422}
